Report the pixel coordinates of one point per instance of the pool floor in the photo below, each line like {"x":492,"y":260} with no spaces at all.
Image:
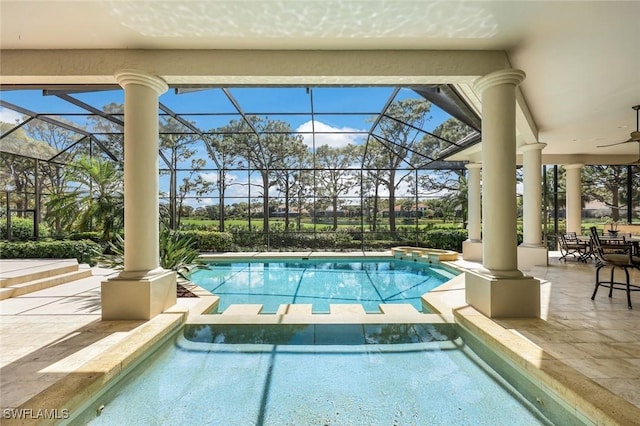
{"x":436,"y":382}
{"x":321,"y":283}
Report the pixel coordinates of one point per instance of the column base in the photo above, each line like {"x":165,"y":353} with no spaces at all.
{"x":503,"y":297}
{"x":472,"y":250}
{"x":138,"y":299}
{"x":530,"y":256}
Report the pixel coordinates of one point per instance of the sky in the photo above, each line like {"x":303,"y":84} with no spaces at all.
{"x":338,"y":113}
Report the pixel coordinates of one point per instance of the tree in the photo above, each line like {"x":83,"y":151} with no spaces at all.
{"x":607,"y":184}
{"x":18,"y":165}
{"x":224,"y":152}
{"x":96,"y":198}
{"x":111,"y":133}
{"x":289,"y":177}
{"x":398,"y":139}
{"x":266,"y":145}
{"x":58,"y":138}
{"x":178,"y":148}
{"x":335,"y":177}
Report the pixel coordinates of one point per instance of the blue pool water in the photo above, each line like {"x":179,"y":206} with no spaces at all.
{"x":398,"y":374}
{"x":321,"y":282}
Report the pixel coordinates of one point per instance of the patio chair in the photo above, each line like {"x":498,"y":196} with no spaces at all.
{"x":570,"y":245}
{"x":625,"y":261}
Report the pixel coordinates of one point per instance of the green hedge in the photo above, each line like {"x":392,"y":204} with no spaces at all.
{"x":445,"y":239}
{"x":94,"y":236}
{"x":83,"y":250}
{"x":210,"y":241}
{"x":22,"y":229}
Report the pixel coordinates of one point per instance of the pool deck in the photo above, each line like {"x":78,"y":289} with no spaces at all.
{"x":56,"y":351}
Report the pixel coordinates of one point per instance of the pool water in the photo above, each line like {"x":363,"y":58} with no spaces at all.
{"x":399,"y":374}
{"x":321,"y":282}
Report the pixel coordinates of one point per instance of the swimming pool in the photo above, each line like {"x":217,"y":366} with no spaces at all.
{"x":353,"y":374}
{"x":321,"y":282}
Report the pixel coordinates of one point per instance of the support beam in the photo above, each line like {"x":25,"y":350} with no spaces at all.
{"x":532,"y":251}
{"x":254,"y":67}
{"x":143,"y":289}
{"x":574,"y":198}
{"x":499,"y":289}
{"x":472,"y":247}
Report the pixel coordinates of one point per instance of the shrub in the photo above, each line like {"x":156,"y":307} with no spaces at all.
{"x":198,"y":227}
{"x":87,"y":235}
{"x":83,"y":250}
{"x":445,"y":239}
{"x":178,"y":252}
{"x":22,"y":229}
{"x":209,"y":241}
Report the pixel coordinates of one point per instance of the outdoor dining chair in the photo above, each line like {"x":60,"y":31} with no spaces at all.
{"x":625,"y":261}
{"x":570,"y":245}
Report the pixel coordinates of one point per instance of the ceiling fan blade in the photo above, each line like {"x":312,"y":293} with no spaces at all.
{"x":617,"y":143}
{"x":637,"y":162}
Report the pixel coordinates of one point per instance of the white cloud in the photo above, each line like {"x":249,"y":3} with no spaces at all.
{"x":335,"y":138}
{"x":10,"y":116}
{"x":209,"y":177}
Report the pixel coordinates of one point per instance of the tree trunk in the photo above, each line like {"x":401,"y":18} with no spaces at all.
{"x":375,"y":209}
{"x":221,"y":210}
{"x":392,"y":202}
{"x":265,"y":202}
{"x":615,"y":204}
{"x":286,"y":207}
{"x":335,"y":213}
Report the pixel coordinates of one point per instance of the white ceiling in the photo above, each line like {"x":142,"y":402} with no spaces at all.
{"x":582,"y":59}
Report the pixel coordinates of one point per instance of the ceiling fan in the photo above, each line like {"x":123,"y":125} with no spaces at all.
{"x":633,"y":137}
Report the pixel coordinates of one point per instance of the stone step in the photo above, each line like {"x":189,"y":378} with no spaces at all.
{"x":249,"y":309}
{"x":14,"y":272}
{"x":40,"y":284}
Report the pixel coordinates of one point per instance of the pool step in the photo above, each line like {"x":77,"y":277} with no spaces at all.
{"x":21,"y":271}
{"x":347,"y":309}
{"x":249,"y":309}
{"x":20,"y":281}
{"x":398,"y":309}
{"x":291,"y":309}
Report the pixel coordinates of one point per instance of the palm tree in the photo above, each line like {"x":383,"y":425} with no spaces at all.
{"x":96,"y":200}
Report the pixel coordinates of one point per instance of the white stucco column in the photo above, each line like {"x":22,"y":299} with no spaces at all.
{"x":472,"y":247}
{"x":532,"y":251}
{"x":574,"y":197}
{"x":141,"y":212}
{"x":143,"y":289}
{"x":499,"y":207}
{"x":499,"y":289}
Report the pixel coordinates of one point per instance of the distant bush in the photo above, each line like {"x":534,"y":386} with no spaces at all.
{"x":22,"y":229}
{"x":198,"y":227}
{"x":83,"y":250}
{"x":209,"y":241}
{"x":445,"y":239}
{"x":87,"y":235}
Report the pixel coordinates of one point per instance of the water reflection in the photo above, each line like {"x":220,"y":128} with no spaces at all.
{"x":320,"y":334}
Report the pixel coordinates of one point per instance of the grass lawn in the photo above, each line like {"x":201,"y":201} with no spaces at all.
{"x":326,"y":224}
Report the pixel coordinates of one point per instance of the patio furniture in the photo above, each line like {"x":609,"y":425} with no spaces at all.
{"x":570,"y":245}
{"x":625,"y":261}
